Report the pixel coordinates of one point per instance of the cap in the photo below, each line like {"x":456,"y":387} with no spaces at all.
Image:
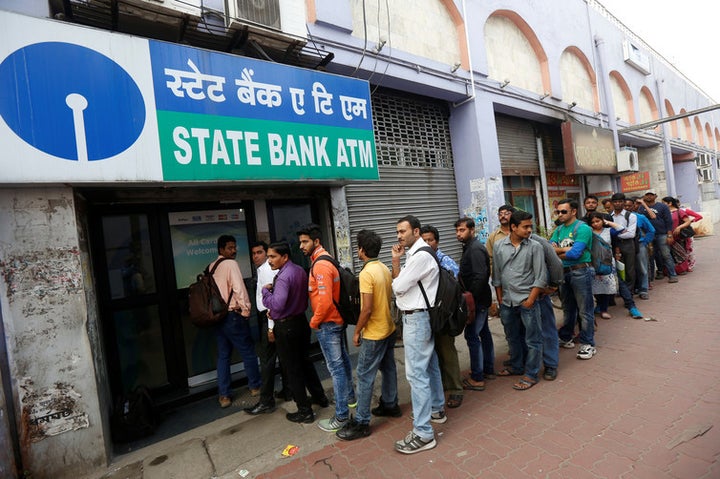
{"x":650,"y":192}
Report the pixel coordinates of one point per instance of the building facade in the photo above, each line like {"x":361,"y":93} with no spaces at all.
{"x":134,"y":132}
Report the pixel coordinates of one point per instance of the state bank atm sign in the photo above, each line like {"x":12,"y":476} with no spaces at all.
{"x":82,"y":105}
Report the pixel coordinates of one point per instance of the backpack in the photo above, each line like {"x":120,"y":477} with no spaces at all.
{"x":449,"y":312}
{"x":206,"y":304}
{"x":349,"y":304}
{"x":134,"y":416}
{"x":600,"y":252}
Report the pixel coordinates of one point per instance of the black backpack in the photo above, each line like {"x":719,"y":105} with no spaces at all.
{"x":449,"y":311}
{"x":349,"y":304}
{"x":134,"y":416}
{"x":206,"y":304}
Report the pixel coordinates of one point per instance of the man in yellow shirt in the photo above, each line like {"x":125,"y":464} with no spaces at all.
{"x":375,"y":336}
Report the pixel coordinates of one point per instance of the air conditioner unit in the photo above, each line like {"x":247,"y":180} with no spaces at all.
{"x":191,"y":7}
{"x":288,"y":16}
{"x":705,"y":175}
{"x":703,"y":159}
{"x":634,"y":57}
{"x":627,"y":160}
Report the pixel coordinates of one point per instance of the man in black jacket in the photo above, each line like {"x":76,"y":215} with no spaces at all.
{"x":474,"y":275}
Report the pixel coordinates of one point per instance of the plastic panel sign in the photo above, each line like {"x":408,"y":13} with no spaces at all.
{"x":83,"y":105}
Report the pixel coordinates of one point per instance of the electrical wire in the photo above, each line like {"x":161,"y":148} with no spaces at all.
{"x":362,"y":57}
{"x":387,"y":61}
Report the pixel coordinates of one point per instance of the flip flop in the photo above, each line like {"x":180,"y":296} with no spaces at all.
{"x":508,"y":372}
{"x":454,"y":400}
{"x":524,"y":384}
{"x":473,"y":387}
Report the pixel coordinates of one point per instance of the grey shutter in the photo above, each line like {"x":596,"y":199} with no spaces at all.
{"x":412,"y":137}
{"x":518,"y":149}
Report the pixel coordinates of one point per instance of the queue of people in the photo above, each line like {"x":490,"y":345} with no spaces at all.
{"x":647,"y":240}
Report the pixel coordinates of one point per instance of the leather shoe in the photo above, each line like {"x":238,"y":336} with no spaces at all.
{"x":224,"y":401}
{"x":306,"y":417}
{"x":382,"y":410}
{"x":353,"y":430}
{"x":260,"y":408}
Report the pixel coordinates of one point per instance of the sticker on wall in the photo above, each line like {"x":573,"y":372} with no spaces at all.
{"x":70,"y":101}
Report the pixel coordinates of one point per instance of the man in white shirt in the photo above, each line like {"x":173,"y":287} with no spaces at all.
{"x":421,"y":362}
{"x":625,"y":242}
{"x":266,"y":348}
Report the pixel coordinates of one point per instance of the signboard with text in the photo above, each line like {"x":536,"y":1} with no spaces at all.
{"x":82,"y":105}
{"x":588,"y":149}
{"x":635,"y":182}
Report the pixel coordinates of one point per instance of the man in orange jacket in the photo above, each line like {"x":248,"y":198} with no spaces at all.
{"x":324,"y":292}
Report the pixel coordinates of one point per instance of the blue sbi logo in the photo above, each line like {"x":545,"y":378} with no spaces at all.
{"x":70,"y":101}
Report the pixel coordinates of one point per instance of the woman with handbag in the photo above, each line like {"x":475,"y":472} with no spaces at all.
{"x":681,"y":242}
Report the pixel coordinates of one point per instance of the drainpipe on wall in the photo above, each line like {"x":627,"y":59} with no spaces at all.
{"x":470,"y":64}
{"x":545,"y":210}
{"x":667,"y":152}
{"x":609,"y":106}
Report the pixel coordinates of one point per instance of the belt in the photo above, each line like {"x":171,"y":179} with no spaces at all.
{"x":574,"y":267}
{"x":413,"y":311}
{"x":288,"y":318}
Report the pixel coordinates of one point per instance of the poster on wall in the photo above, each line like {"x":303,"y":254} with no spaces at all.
{"x":194,"y":237}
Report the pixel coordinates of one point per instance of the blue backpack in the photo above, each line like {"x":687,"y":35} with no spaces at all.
{"x":600,"y":251}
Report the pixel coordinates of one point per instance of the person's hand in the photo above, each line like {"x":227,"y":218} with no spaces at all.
{"x":527,"y":304}
{"x":356,"y":338}
{"x":397,"y":250}
{"x":271,"y":336}
{"x":268,"y":287}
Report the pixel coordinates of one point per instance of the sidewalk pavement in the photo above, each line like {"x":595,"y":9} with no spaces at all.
{"x":646,"y":406}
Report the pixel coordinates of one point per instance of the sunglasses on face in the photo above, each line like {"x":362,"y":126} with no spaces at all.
{"x":561,"y":212}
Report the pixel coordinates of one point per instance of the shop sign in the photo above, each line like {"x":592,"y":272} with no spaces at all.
{"x":588,"y":149}
{"x":81,"y":105}
{"x":635,"y":182}
{"x":559,"y":179}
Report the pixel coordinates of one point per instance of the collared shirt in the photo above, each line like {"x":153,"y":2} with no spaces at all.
{"x":630,"y":225}
{"x":289,"y":293}
{"x":229,"y":278}
{"x":518,"y":269}
{"x":493,"y":238}
{"x":556,"y":273}
{"x":446,"y":262}
{"x":323,"y":289}
{"x":265,"y":275}
{"x":419,"y":265}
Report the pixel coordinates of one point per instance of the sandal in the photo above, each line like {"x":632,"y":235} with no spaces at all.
{"x":454,"y":400}
{"x":509,"y":372}
{"x":524,"y":384}
{"x":605,"y":315}
{"x":478,"y":386}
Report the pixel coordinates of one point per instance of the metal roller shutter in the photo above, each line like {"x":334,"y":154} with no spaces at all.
{"x":518,"y":149}
{"x":416,"y":173}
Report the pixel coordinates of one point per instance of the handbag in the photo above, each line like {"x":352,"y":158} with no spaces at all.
{"x":687,"y":232}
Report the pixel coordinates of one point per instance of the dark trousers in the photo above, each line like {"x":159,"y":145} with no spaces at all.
{"x":267,"y":352}
{"x":292,"y":338}
{"x":629,"y":253}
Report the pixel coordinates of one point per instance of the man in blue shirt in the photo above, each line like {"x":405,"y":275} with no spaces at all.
{"x":572,"y":243}
{"x":444,"y":343}
{"x":647,"y":235}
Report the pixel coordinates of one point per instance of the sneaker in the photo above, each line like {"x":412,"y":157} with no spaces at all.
{"x":550,"y":374}
{"x":413,"y":443}
{"x":306,"y":417}
{"x":333,"y":424}
{"x":383,"y":410}
{"x":436,"y":417}
{"x":353,"y":430}
{"x":635,"y":313}
{"x":673,"y":279}
{"x":224,"y":401}
{"x":644,"y":296}
{"x":586,"y":351}
{"x":567,"y":344}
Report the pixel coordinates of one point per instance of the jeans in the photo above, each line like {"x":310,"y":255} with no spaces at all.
{"x":578,"y":307}
{"x":514,"y":320}
{"x":551,"y":345}
{"x":480,"y":345}
{"x":641,"y":269}
{"x":234,"y":331}
{"x":330,"y":336}
{"x":422,"y":372}
{"x":626,"y":295}
{"x":662,"y":255}
{"x":376,"y":355}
